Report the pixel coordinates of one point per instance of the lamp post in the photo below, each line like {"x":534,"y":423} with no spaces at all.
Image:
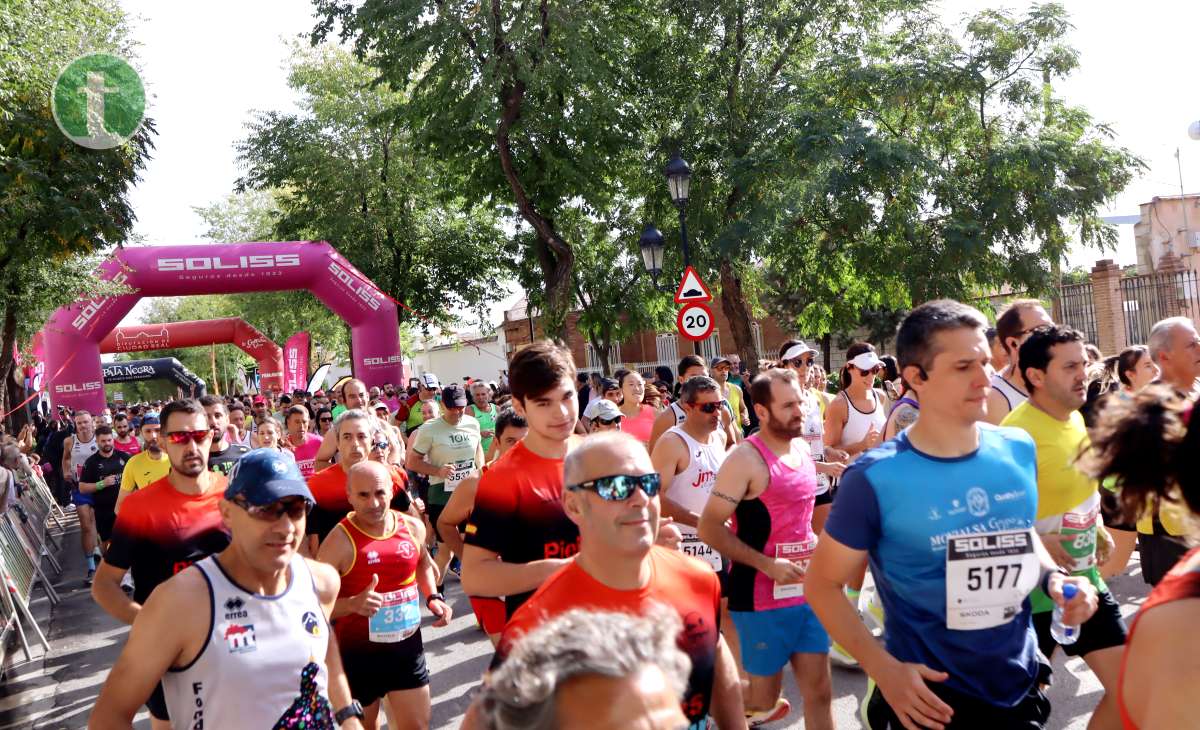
{"x":651,"y":245}
{"x":679,"y":182}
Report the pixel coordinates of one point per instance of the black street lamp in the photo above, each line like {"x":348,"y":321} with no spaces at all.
{"x":679,"y":182}
{"x":651,"y":245}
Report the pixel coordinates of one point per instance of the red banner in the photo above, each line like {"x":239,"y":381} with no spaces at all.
{"x":295,"y":362}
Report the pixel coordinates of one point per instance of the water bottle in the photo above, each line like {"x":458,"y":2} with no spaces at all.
{"x":1061,"y":632}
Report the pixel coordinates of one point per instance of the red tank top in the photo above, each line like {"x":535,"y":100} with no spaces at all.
{"x":393,"y":557}
{"x":1177,"y":585}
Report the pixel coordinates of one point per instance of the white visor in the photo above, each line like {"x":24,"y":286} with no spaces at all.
{"x":796,"y":351}
{"x":866,"y":361}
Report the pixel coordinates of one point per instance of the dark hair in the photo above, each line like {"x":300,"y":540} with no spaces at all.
{"x":852,"y":352}
{"x":236,"y":406}
{"x":210,"y":400}
{"x":1128,"y":361}
{"x":621,"y":374}
{"x":120,"y":416}
{"x":692,"y":389}
{"x":915,"y":342}
{"x":760,"y":387}
{"x":188,"y":406}
{"x":663,"y":373}
{"x":581,"y":378}
{"x":508,"y":418}
{"x":294,"y":411}
{"x":990,"y":332}
{"x":1157,"y":421}
{"x":891,"y":370}
{"x":689,"y":361}
{"x":538,"y":367}
{"x":1035,"y":351}
{"x":1008,"y":324}
{"x":323,"y":410}
{"x":103,"y":429}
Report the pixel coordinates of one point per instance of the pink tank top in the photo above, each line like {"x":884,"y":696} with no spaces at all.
{"x":777,"y":523}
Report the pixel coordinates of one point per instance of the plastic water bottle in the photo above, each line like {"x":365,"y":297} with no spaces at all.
{"x":1061,"y":632}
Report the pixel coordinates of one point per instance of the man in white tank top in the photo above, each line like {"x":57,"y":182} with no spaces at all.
{"x":1013,"y":326}
{"x":687,"y":458}
{"x":76,"y":450}
{"x":242,"y":638}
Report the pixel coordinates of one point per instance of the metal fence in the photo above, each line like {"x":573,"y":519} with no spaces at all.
{"x":1149,"y":298}
{"x":1077,"y":309}
{"x":30,"y":530}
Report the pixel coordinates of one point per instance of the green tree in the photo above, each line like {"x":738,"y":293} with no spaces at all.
{"x":921,"y":166}
{"x":345,"y":170}
{"x":533,"y":107}
{"x":62,"y":203}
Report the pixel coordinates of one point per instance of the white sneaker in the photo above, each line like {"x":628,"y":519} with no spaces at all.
{"x":127,"y":583}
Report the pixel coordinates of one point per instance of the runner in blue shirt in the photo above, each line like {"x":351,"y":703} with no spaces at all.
{"x":944,"y":515}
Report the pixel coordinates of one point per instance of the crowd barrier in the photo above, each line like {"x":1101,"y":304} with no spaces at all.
{"x":31,"y":530}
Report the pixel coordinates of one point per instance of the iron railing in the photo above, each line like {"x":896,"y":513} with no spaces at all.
{"x":1077,"y":309}
{"x":1149,"y":298}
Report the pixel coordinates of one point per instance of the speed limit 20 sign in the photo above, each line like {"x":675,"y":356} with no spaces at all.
{"x":695,"y":321}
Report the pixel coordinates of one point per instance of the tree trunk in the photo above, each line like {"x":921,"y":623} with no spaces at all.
{"x":8,"y":340}
{"x":737,"y":312}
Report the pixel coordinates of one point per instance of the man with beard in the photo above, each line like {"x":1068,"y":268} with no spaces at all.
{"x":125,"y":441}
{"x":222,"y":454}
{"x":768,"y":485}
{"x":164,"y":528}
{"x":147,"y":467}
{"x":101,"y":473}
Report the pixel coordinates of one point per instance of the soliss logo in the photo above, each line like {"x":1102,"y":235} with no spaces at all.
{"x":78,"y":387}
{"x":218,"y":263}
{"x":92,"y":306}
{"x":382,"y":360}
{"x":362,"y":291}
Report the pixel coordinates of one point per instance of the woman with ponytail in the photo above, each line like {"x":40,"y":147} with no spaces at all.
{"x":1149,"y":446}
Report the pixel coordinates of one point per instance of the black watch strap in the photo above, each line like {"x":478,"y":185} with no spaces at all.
{"x":354,"y":709}
{"x":434,"y":597}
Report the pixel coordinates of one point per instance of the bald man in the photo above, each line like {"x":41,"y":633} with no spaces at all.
{"x":611,"y":494}
{"x":354,"y":397}
{"x":380,"y":554}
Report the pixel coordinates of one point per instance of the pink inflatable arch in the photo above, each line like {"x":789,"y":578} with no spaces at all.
{"x":197,"y":333}
{"x":74,"y":332}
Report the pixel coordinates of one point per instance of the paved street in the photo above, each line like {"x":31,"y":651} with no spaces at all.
{"x":58,"y":689}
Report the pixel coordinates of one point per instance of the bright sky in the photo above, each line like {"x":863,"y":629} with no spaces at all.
{"x":208,"y":66}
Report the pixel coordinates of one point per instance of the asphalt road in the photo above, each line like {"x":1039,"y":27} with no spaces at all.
{"x":57,"y":689}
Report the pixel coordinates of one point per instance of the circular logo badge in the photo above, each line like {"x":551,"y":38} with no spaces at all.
{"x":98,"y":101}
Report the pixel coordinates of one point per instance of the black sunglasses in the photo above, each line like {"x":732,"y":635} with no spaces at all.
{"x":325,"y":419}
{"x":797,"y":362}
{"x":379,"y":445}
{"x":294,"y":508}
{"x":609,"y":421}
{"x":619,"y":487}
{"x":865,"y":373}
{"x":711,"y":408}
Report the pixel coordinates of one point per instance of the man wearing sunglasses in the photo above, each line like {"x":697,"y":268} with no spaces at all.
{"x":768,"y":485}
{"x":242,"y":638}
{"x":165,"y":527}
{"x":690,"y":366}
{"x":1009,"y":387}
{"x":612,"y":496}
{"x":354,"y":396}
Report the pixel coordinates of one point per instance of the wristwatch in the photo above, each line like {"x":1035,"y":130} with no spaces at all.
{"x":434,"y":597}
{"x":354,"y":709}
{"x":1044,"y":583}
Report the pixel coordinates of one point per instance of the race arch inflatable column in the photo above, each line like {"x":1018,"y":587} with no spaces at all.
{"x":159,"y":368}
{"x":199,"y":333}
{"x":74,"y":332}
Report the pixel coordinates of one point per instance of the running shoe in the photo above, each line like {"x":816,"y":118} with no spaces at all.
{"x":778,"y":712}
{"x":127,"y":584}
{"x":841,"y":657}
{"x":91,"y":574}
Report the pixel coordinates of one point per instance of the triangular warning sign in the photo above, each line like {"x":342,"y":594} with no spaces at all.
{"x":691,"y":288}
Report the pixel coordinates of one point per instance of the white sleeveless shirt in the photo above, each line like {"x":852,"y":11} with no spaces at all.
{"x":859,"y":423}
{"x":1014,"y":395}
{"x":80,"y":451}
{"x":690,"y":489}
{"x":263,"y":662}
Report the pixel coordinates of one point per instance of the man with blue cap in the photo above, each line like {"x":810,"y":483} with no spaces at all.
{"x":249,"y":622}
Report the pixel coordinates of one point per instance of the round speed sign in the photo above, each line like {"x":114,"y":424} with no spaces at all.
{"x":695,"y":321}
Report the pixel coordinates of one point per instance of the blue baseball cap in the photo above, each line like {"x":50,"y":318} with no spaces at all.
{"x":264,"y":476}
{"x":150,"y":419}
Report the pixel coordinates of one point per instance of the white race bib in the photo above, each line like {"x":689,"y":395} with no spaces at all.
{"x":462,"y":470}
{"x":799,"y":553}
{"x":694,"y":546}
{"x":988,"y":576}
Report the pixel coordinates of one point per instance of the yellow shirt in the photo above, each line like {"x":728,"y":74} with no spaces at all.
{"x":142,"y":470}
{"x":1068,"y":499}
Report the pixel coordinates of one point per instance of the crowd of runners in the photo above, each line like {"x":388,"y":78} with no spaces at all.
{"x":654,"y":550}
